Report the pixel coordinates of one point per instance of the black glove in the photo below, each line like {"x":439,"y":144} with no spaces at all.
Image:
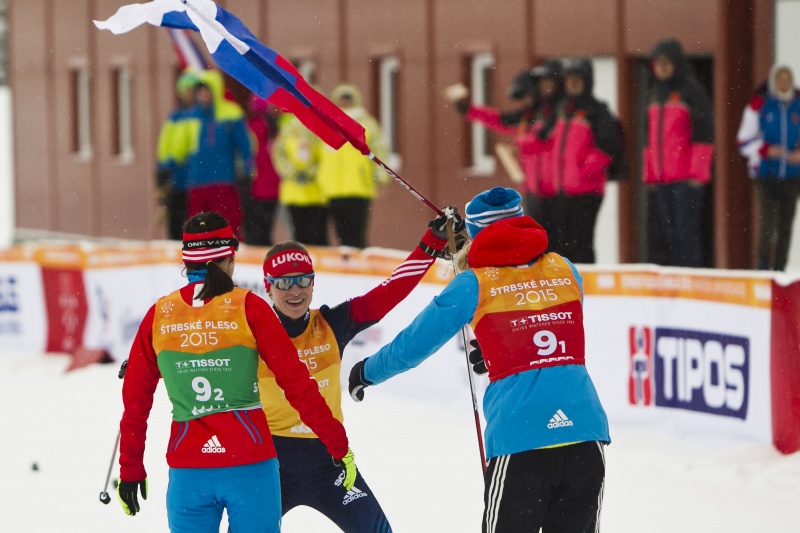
{"x":126,"y":492}
{"x":439,"y":229}
{"x":476,"y":358}
{"x":462,"y":106}
{"x":358,"y":382}
{"x":123,"y":369}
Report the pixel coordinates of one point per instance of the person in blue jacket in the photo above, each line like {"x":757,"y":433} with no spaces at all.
{"x":777,"y":179}
{"x":545,"y":425}
{"x":212,"y":140}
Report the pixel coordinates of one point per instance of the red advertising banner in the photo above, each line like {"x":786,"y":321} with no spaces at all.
{"x":67,"y":308}
{"x":785,"y":366}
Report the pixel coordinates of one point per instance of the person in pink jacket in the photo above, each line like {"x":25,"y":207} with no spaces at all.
{"x":260,"y":202}
{"x":582,"y":139}
{"x":678,"y":155}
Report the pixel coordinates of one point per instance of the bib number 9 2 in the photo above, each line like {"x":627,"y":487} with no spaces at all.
{"x":202,"y":387}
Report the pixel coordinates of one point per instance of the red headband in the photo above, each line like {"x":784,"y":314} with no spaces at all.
{"x":287,"y":262}
{"x":209,"y":246}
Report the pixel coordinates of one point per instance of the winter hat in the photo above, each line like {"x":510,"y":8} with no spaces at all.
{"x":490,"y":206}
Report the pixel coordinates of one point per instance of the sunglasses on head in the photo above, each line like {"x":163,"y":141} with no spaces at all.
{"x":285,"y":283}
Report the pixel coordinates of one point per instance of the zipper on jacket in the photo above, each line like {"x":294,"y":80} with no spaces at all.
{"x":561,"y":150}
{"x":660,"y":150}
{"x":784,"y":138}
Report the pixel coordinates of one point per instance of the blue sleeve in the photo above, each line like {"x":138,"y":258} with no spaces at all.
{"x":242,"y":141}
{"x":431,"y":329}
{"x":576,"y":274}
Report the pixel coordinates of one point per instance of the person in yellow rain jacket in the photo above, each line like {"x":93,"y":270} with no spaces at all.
{"x":347,"y":178}
{"x":296,"y":153}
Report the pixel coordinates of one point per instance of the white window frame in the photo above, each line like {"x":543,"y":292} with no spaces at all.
{"x":307,"y":68}
{"x":83,"y":112}
{"x":124,"y":112}
{"x":388,"y":89}
{"x":483,"y":163}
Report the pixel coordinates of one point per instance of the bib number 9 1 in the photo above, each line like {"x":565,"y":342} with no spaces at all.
{"x":547,"y":343}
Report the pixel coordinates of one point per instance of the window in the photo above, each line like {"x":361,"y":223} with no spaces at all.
{"x":481,"y":70}
{"x":81,"y":112}
{"x":308,"y":69}
{"x":123,"y":113}
{"x":388,"y":88}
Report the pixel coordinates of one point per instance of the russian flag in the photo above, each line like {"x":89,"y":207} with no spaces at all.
{"x":237,"y":51}
{"x":188,"y":53}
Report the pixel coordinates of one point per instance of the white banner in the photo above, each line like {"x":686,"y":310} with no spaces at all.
{"x":23,"y":315}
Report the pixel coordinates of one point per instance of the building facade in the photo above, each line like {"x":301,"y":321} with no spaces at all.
{"x":87,"y":105}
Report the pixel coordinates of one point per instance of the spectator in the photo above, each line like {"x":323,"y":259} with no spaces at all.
{"x":538,"y":91}
{"x":171,"y":175}
{"x":749,"y":137}
{"x":777,"y":177}
{"x":261,"y":201}
{"x":583,"y":139}
{"x":296,"y":154}
{"x":678,"y":156}
{"x":215,"y":145}
{"x":347,"y":178}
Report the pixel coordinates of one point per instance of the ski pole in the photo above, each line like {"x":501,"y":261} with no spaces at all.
{"x":474,"y":399}
{"x":464,"y":337}
{"x":104,"y":497}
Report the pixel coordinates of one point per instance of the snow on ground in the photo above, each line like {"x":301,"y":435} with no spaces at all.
{"x":421,"y":459}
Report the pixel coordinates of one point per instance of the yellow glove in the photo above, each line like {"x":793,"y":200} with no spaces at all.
{"x":126,"y":492}
{"x":349,"y":463}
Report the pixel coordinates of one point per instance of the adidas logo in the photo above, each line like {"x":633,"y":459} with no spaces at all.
{"x":352,"y":495}
{"x":559,"y":420}
{"x":213,"y":446}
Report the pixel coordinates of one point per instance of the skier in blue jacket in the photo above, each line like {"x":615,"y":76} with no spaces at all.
{"x":545,"y":426}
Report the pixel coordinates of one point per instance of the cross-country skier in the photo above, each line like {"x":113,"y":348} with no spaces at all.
{"x":545,"y":426}
{"x":206,"y":340}
{"x":308,"y":477}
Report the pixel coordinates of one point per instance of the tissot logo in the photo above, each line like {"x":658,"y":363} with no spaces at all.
{"x":700,"y":371}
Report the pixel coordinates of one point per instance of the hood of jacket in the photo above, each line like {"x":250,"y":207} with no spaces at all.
{"x":672,"y":49}
{"x":224,"y":109}
{"x":771,"y":86}
{"x":345,"y":89}
{"x":508,"y":242}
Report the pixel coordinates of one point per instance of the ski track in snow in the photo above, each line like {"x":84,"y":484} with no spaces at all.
{"x":421,"y":459}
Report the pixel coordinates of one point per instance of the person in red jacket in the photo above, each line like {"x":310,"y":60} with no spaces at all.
{"x":260,"y":202}
{"x":678,"y":155}
{"x":537,"y":93}
{"x":582,"y":138}
{"x":205,"y":340}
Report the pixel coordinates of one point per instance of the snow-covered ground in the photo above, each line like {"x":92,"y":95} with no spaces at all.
{"x":421,"y":459}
